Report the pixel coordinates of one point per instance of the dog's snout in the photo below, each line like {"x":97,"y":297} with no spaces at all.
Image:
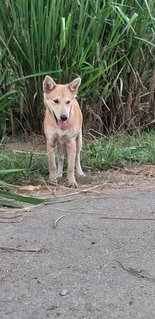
{"x":63,"y":117}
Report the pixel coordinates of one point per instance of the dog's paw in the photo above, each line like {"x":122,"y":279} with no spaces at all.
{"x":58,"y":175}
{"x":73,"y":184}
{"x":52,"y":179}
{"x":81,"y":174}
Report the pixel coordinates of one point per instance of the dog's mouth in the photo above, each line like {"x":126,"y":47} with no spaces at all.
{"x":62,"y":124}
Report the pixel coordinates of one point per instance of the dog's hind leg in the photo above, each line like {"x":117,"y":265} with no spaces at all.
{"x":79,"y":170}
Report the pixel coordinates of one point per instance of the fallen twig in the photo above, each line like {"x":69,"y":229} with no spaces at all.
{"x":47,"y":186}
{"x":128,"y":217}
{"x":86,"y":213}
{"x":10,"y":217}
{"x":10,"y":210}
{"x":86,"y":190}
{"x":56,"y":221}
{"x":9,"y":220}
{"x":135,"y":272}
{"x":24,"y":209}
{"x":23,"y":249}
{"x":129,"y":171}
{"x":136,"y":218}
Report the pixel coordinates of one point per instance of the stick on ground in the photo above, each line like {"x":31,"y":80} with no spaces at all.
{"x":23,"y":249}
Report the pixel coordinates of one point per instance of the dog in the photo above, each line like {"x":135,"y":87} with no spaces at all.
{"x":63,"y":128}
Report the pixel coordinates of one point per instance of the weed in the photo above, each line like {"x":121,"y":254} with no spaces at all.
{"x":99,"y":155}
{"x":120,"y":150}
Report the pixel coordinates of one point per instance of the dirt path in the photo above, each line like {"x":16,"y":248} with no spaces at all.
{"x":85,"y":258}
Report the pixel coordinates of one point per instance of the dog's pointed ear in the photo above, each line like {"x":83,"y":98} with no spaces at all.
{"x":74,"y":85}
{"x":48,"y":84}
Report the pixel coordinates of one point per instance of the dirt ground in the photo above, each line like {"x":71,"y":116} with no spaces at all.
{"x":91,"y":256}
{"x":133,"y":175}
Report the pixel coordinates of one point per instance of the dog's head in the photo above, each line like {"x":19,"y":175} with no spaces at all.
{"x":58,"y":98}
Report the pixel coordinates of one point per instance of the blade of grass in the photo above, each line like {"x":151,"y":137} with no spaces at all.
{"x":9,"y":204}
{"x":12,"y":170}
{"x":28,"y":199}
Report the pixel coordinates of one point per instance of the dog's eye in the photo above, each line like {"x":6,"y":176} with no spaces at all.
{"x":67,"y":102}
{"x":56,"y":101}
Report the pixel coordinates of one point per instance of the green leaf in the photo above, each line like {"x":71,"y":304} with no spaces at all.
{"x":21,"y":198}
{"x":145,"y":41}
{"x":6,"y":95}
{"x":34,"y":75}
{"x":28,"y":199}
{"x":12,"y":170}
{"x":9,"y":204}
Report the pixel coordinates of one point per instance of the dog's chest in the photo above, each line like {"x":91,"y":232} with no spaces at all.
{"x":62,"y":139}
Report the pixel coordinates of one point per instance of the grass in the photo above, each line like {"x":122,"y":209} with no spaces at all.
{"x":121,"y":150}
{"x":110,"y":44}
{"x":35,"y":168}
{"x":99,"y":155}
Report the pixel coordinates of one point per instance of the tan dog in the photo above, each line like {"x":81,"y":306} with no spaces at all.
{"x":63,"y":128}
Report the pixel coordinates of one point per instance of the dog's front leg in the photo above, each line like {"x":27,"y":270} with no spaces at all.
{"x":71,"y":153}
{"x":79,"y":170}
{"x":60,"y":157}
{"x":51,"y":160}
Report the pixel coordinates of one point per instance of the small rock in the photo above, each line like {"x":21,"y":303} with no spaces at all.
{"x":53,"y":307}
{"x":64,"y":292}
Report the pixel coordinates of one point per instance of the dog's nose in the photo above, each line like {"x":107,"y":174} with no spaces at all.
{"x":63,"y":117}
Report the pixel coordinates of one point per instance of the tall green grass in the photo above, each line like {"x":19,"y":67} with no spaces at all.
{"x":110,"y":44}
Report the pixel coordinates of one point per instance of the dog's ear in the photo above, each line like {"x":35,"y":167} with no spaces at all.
{"x":48,"y":84}
{"x":74,"y":85}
